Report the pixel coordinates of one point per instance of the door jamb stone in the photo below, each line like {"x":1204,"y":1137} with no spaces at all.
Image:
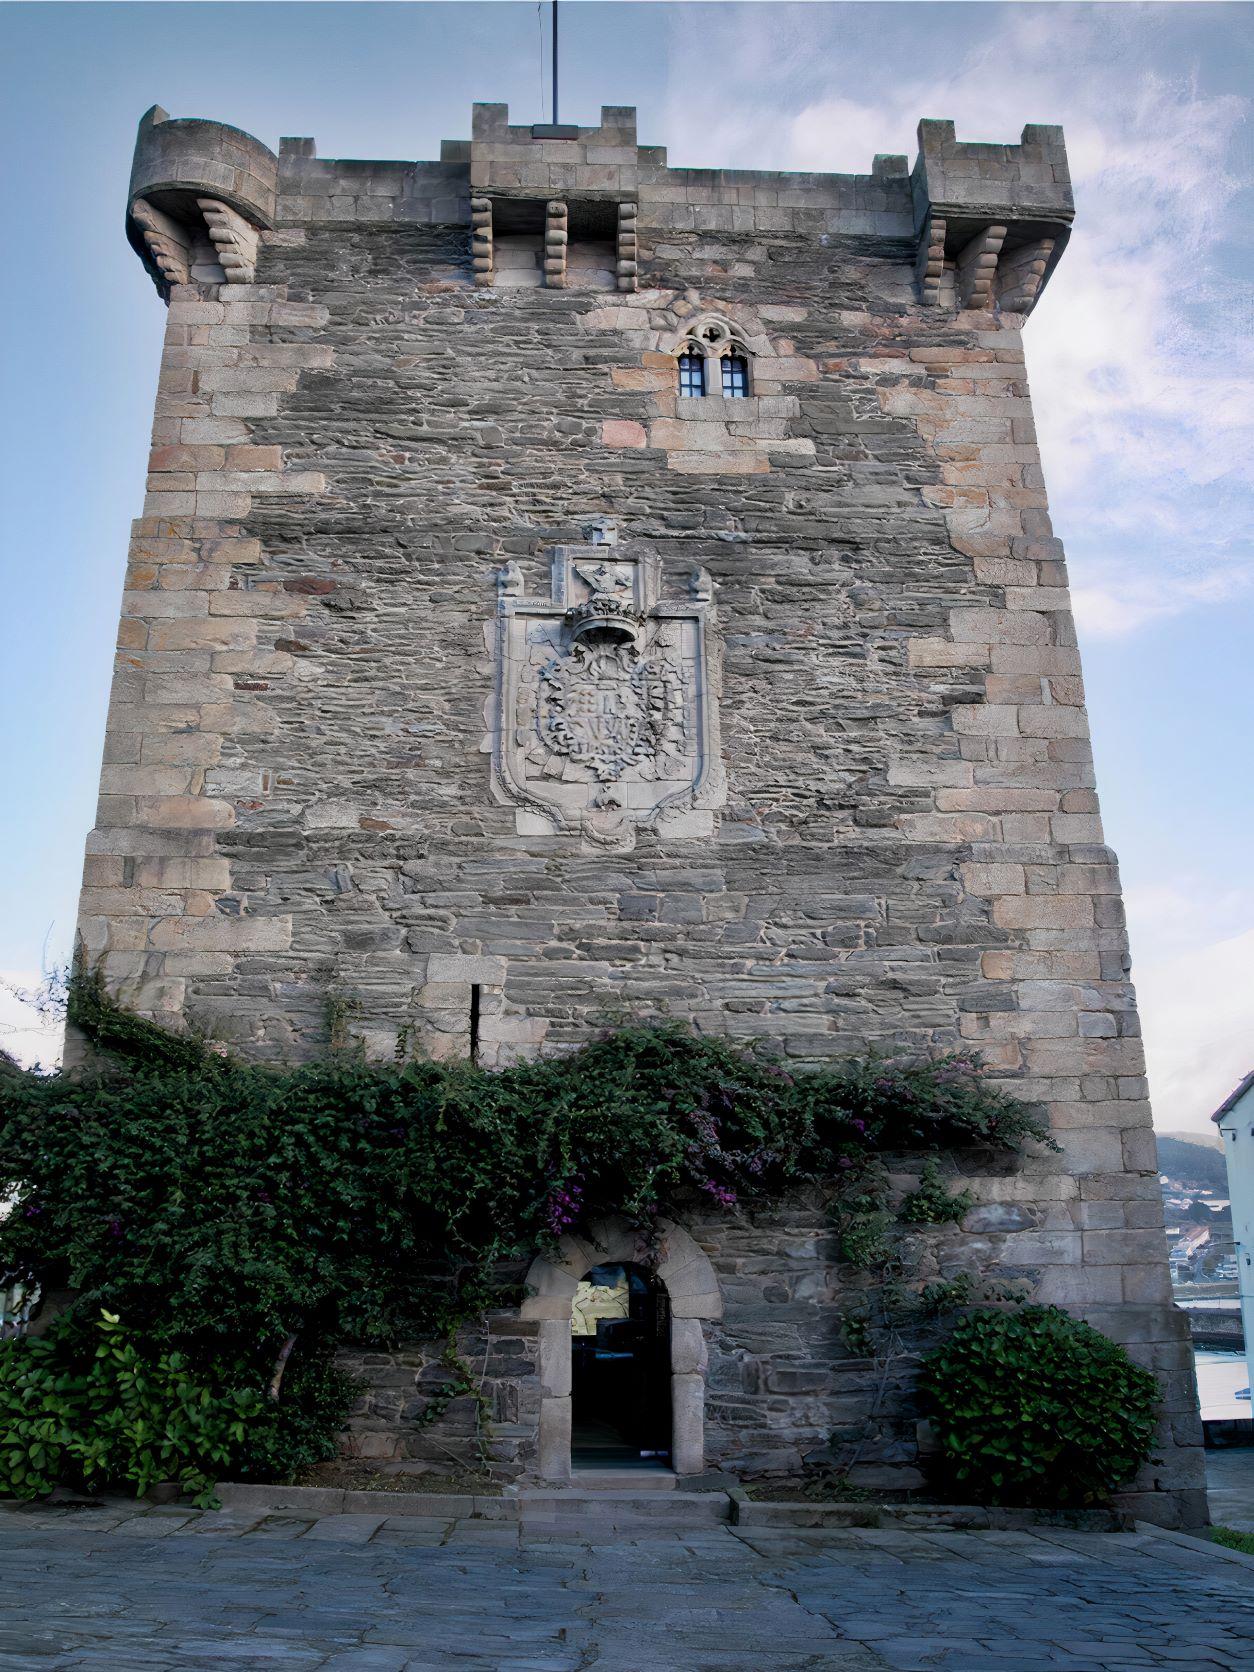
{"x":692,"y":1288}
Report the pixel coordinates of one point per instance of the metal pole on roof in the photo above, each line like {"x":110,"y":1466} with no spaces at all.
{"x":554,"y":63}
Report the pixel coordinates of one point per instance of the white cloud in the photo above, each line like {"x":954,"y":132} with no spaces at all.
{"x":1124,"y":604}
{"x":1144,"y":390}
{"x":23,"y":1034}
{"x":1195,"y":992}
{"x":1197,"y":1010}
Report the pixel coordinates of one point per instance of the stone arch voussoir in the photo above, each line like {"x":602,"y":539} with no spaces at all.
{"x":684,"y":1270}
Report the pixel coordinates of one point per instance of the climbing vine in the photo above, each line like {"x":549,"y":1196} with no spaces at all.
{"x":226,"y":1210}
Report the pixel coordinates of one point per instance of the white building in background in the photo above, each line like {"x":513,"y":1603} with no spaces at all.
{"x":1235,"y":1119}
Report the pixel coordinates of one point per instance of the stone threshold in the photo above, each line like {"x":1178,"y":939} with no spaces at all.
{"x":621,"y":1504}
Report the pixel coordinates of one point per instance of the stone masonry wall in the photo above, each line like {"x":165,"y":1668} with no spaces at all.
{"x":295,"y":805}
{"x":788,"y":1387}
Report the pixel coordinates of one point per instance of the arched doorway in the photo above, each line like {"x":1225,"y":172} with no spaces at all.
{"x":685,"y":1277}
{"x":620,"y":1388}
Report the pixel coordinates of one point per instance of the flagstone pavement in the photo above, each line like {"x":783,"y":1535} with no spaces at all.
{"x":117,"y":1586}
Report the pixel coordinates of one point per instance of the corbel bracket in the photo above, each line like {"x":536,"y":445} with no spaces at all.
{"x":481,"y":253}
{"x":971,"y":264}
{"x":977,"y":265}
{"x":235,"y":239}
{"x":628,"y":251}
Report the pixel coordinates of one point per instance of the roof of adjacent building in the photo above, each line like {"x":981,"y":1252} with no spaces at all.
{"x":1234,"y":1096}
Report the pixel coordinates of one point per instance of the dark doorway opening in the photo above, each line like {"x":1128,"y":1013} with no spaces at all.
{"x":620,"y":1371}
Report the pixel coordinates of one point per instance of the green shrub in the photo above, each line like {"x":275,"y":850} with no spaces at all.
{"x":230,"y":1206}
{"x":1035,"y":1407}
{"x":92,"y":1413}
{"x":300,"y":1427}
{"x":223,"y":1208}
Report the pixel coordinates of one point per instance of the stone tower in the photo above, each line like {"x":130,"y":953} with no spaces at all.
{"x":573,"y":587}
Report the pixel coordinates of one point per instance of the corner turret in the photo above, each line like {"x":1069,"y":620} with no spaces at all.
{"x":1001,"y":214}
{"x":199,"y":194}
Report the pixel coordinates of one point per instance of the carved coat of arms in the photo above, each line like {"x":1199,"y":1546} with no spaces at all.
{"x":604,"y":716}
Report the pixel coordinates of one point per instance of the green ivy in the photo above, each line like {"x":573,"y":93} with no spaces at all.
{"x":223,"y":1208}
{"x":1035,"y":1407}
{"x":931,"y":1203}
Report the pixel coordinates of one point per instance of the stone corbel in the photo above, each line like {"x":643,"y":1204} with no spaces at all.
{"x":481,"y":257}
{"x":235,"y":239}
{"x":1020,"y":275}
{"x":169,"y":244}
{"x":977,"y":267}
{"x":627,"y":247}
{"x":555,"y":245}
{"x":930,"y":261}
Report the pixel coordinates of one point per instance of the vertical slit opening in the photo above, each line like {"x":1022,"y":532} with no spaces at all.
{"x":475,"y":996}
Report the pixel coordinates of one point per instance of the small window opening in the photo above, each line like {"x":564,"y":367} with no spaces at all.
{"x":691,"y":374}
{"x":475,"y":1000}
{"x":735,"y":376}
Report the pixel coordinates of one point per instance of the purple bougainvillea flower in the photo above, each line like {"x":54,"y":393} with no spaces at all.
{"x":722,"y":1195}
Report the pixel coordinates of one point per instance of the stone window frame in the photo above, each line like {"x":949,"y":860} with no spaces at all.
{"x":683,"y":1270}
{"x":715,"y":339}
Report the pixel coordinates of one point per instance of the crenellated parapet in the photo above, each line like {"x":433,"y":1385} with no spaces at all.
{"x":512,"y":160}
{"x":568,"y":206}
{"x":200,"y":193}
{"x":995,"y":218}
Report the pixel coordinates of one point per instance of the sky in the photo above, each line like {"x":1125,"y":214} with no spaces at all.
{"x":1140,"y":356}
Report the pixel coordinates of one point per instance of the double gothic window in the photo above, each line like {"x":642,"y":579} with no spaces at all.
{"x":713,"y":361}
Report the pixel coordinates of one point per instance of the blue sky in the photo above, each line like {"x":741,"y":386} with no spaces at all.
{"x":1140,"y":357}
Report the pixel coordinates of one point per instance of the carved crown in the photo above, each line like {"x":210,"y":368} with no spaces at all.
{"x":605,"y":615}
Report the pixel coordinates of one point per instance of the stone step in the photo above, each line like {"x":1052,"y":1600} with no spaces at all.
{"x":622,"y":1480}
{"x":572,"y":1507}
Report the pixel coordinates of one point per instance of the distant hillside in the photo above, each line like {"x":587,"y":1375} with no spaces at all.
{"x":1192,"y":1163}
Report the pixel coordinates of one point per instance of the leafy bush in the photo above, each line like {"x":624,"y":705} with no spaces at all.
{"x":86,"y":1414}
{"x":1035,"y":1407}
{"x":224,"y":1208}
{"x":233,"y":1206}
{"x":298,"y":1429}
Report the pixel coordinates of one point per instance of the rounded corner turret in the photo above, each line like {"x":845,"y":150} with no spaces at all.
{"x":178,"y":159}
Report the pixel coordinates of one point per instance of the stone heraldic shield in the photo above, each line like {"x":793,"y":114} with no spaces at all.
{"x":604,"y":711}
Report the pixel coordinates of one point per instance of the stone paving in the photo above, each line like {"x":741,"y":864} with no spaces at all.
{"x":115,"y":1587}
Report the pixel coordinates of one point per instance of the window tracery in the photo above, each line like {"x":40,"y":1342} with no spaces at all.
{"x":713,"y":359}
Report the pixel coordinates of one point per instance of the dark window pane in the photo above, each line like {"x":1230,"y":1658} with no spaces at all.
{"x":735,"y":376}
{"x":691,"y":374}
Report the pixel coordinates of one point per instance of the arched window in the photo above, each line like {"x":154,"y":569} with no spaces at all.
{"x":691,"y":371}
{"x":713,"y":359}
